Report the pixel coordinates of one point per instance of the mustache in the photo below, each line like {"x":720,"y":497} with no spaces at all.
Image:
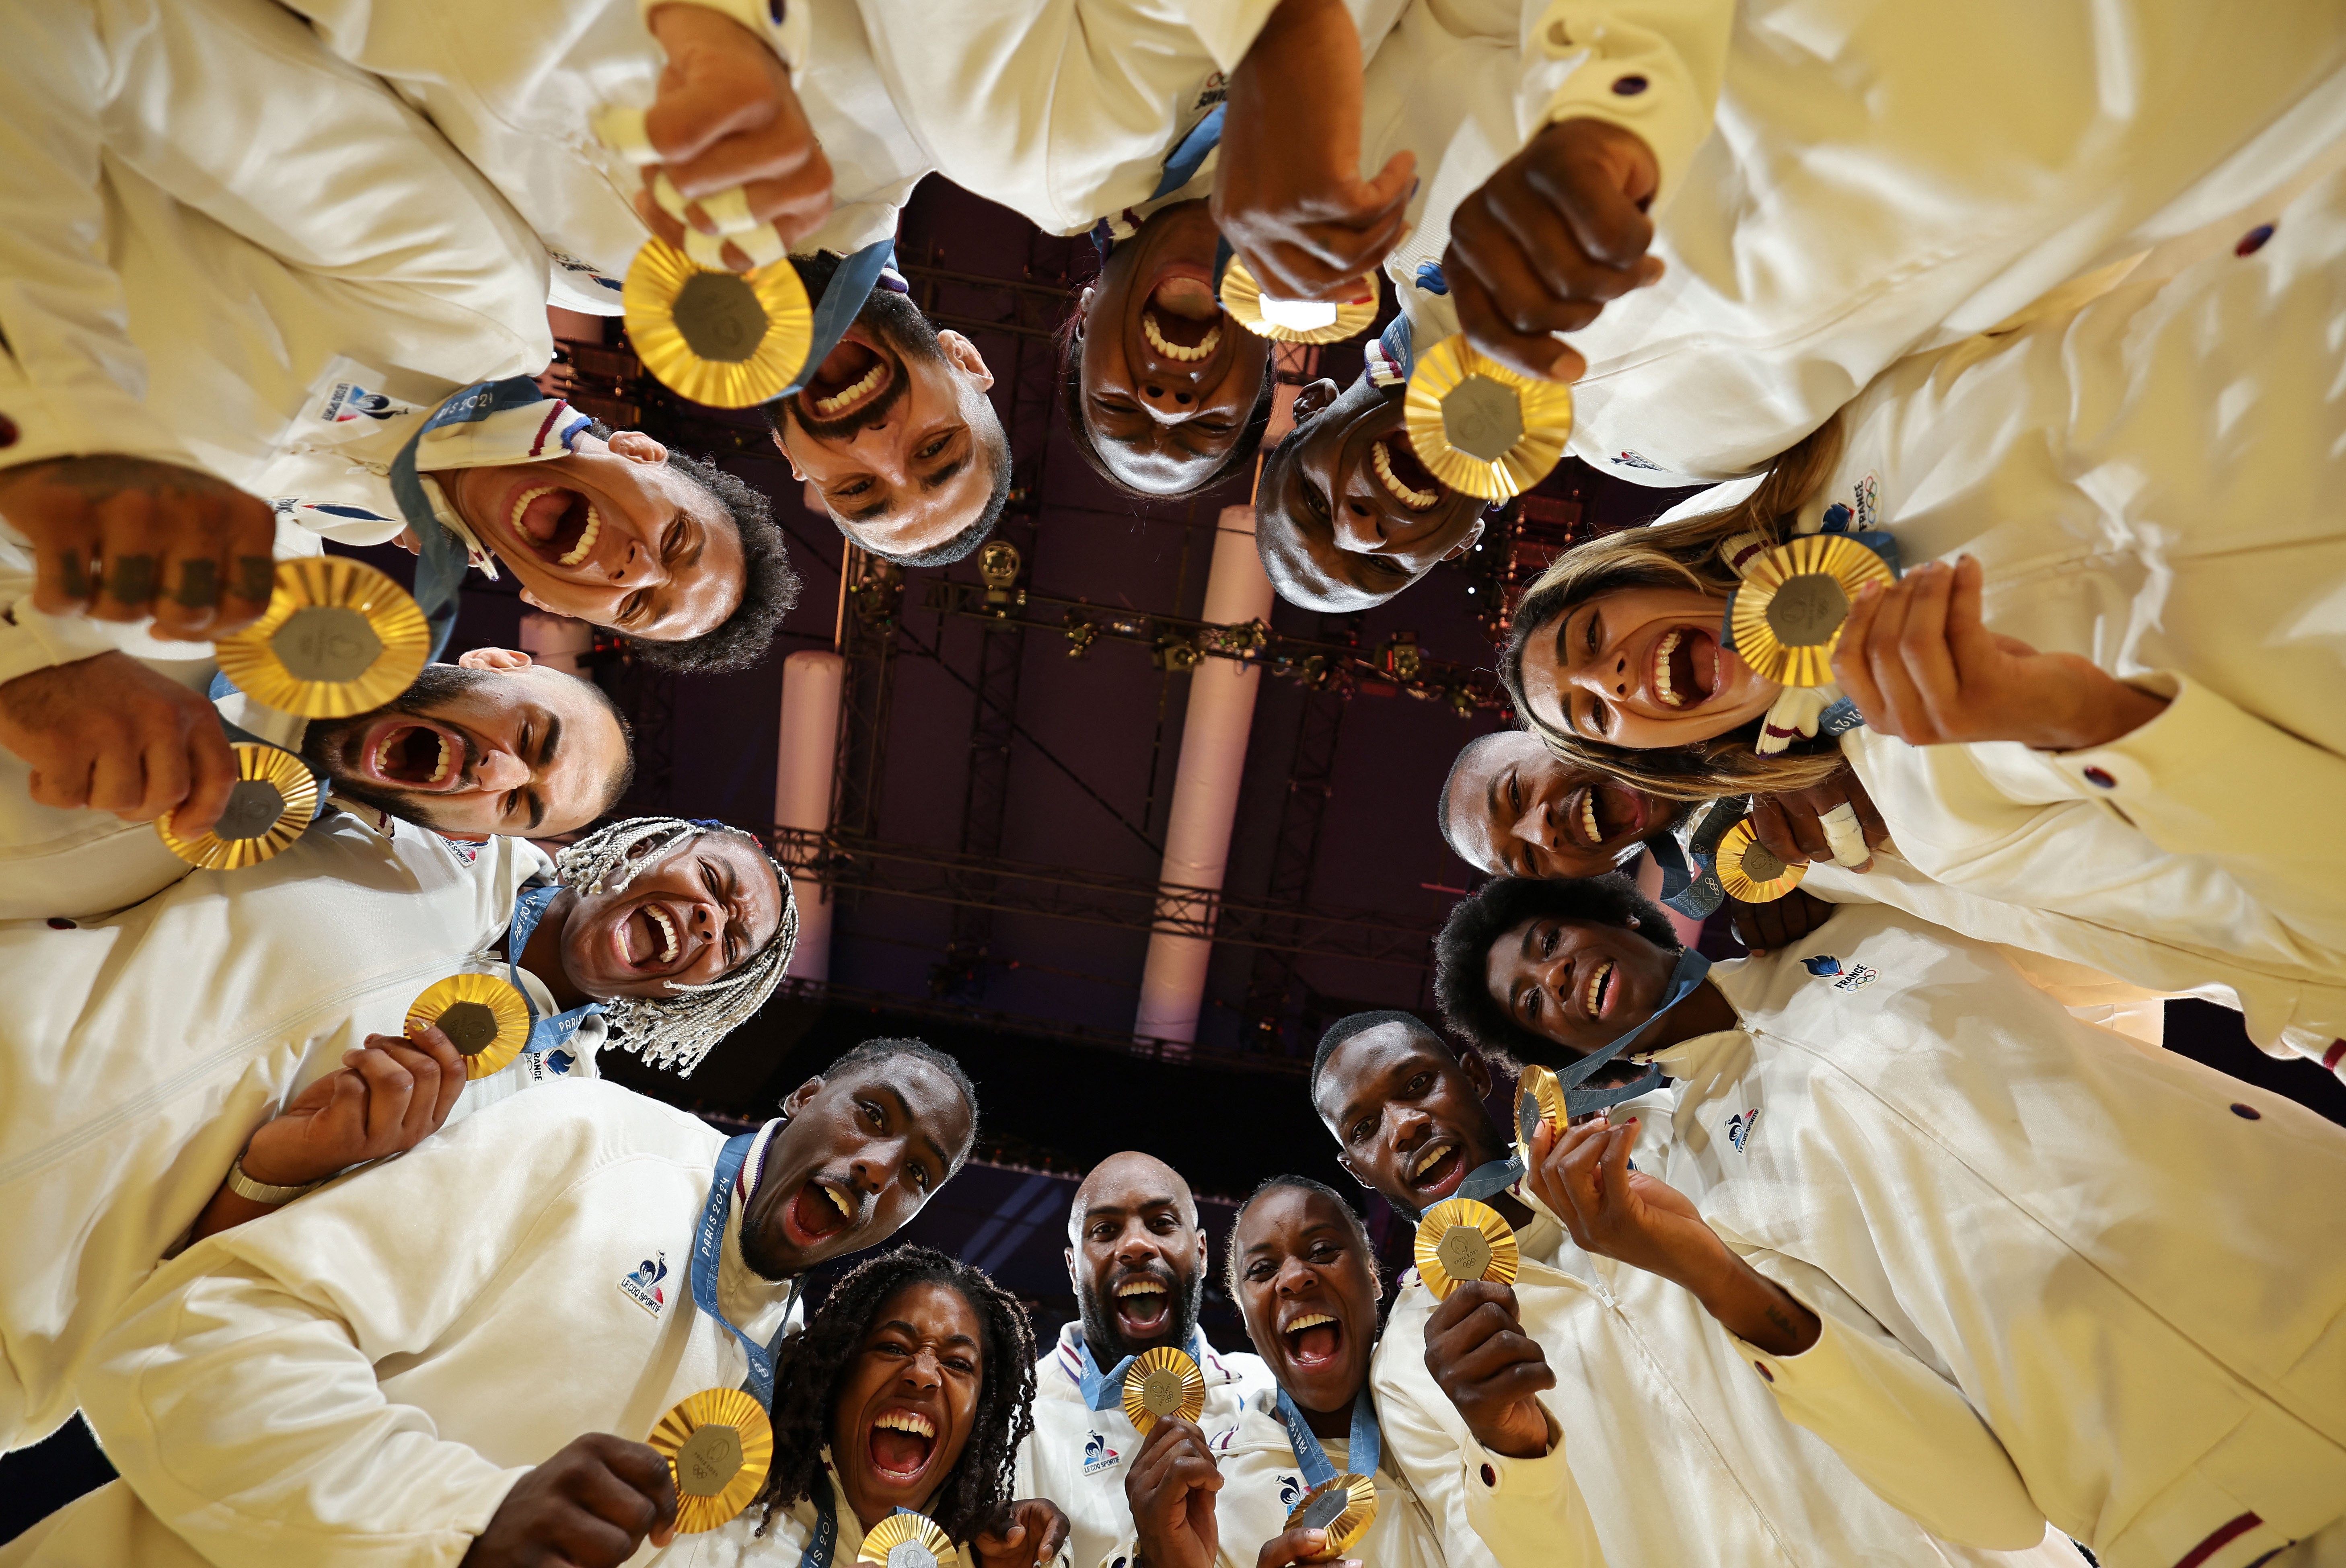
{"x":864,"y":418}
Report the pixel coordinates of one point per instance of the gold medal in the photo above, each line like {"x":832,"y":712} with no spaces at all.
{"x":1295,"y":320}
{"x":272,"y":800}
{"x":726,"y":340}
{"x":1343,"y":1505}
{"x":1750,"y":870}
{"x":717,"y":1444}
{"x":1460,"y":1239}
{"x":1162,"y":1382}
{"x":338,"y":639}
{"x":1786,"y":617}
{"x":485,"y":1018}
{"x":907,"y":1539}
{"x":1482,"y":428}
{"x":1538,"y":1098}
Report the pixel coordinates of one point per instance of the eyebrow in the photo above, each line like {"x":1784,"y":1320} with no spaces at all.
{"x":546,"y":749}
{"x":928,"y":1139}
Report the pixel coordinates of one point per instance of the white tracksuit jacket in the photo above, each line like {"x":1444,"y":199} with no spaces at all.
{"x":1077,"y":1457}
{"x":2063,"y":1276}
{"x":201,"y":210}
{"x":1848,"y":206}
{"x":362,"y":1376}
{"x":138,"y":1052}
{"x":1664,"y":1451}
{"x":1261,"y":1484}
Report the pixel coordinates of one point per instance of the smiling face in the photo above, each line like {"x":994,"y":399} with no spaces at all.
{"x":1308,"y":1295}
{"x":894,"y":430}
{"x":1641,"y":668}
{"x":861,"y":1153}
{"x":1168,"y":380}
{"x":1407,"y":1115}
{"x":1515,"y":809}
{"x":689,"y":918}
{"x":1138,"y":1257}
{"x":1582,"y":986}
{"x":479,"y":751}
{"x":1352,"y":516}
{"x":907,"y":1401}
{"x":608,"y":535}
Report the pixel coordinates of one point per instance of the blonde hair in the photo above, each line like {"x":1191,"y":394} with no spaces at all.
{"x":1687,"y":554}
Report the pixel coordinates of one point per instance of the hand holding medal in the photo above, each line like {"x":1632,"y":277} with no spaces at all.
{"x":1538,"y":1098}
{"x":1162,"y":1382}
{"x":485,"y":1018}
{"x":272,"y":800}
{"x":1482,"y":428}
{"x":1460,"y":1239}
{"x":1786,"y":618}
{"x":717,"y":1444}
{"x":1344,"y":1506}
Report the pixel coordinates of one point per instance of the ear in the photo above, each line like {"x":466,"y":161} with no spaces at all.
{"x":965,"y":357}
{"x":1069,"y":1254}
{"x":1478,"y":1073}
{"x":1313,"y":399}
{"x":495,"y":658}
{"x":1466,"y":544}
{"x":534,"y":603}
{"x":1205,"y":1254}
{"x":801,"y":1095}
{"x":1084,"y":308}
{"x":1353,"y":1171}
{"x":636,"y":447}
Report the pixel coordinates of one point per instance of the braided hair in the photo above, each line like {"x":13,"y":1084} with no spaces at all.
{"x":677,"y":1031}
{"x":811,"y":1366}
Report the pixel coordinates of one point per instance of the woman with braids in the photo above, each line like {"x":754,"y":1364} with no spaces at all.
{"x":910,"y":1388}
{"x":2107,"y":688}
{"x":201,"y":1058}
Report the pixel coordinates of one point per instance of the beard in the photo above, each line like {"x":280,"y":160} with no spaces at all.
{"x":327,"y":744}
{"x":1108,"y":1345}
{"x":907,"y":338}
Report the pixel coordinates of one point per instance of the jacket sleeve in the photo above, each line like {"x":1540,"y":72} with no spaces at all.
{"x":1651,"y":66}
{"x":71,"y":379}
{"x":785,"y":27}
{"x":1906,"y":1432}
{"x":236,"y":1390}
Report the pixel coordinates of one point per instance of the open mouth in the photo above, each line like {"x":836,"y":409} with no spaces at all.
{"x":818,"y":1212}
{"x":1144,"y":1306}
{"x":559,"y":524}
{"x":1601,"y":813}
{"x":415,"y":755}
{"x":1181,"y":320}
{"x":1597,"y":993}
{"x":850,"y":377}
{"x":1402,"y":474}
{"x":899,"y":1445}
{"x":1684,"y":672}
{"x":1437,"y":1168}
{"x":1314,"y":1340}
{"x":648,"y":938}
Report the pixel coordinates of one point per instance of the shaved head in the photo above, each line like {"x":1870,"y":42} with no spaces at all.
{"x":1136,"y":1256}
{"x":1127,"y":1172}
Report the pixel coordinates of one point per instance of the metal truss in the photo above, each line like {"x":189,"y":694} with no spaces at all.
{"x":858,"y":865}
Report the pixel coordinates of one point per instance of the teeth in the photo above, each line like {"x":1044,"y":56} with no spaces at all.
{"x":825,"y":407}
{"x":1415,"y":500}
{"x":1139,"y":1288}
{"x":911,"y":1421}
{"x":1425,"y":1161}
{"x":521,"y":504}
{"x":447,"y":761}
{"x":1309,"y":1320}
{"x":668,"y":928}
{"x":1669,"y":646}
{"x":839,"y":1199}
{"x":1588,"y":817}
{"x":585,"y":544}
{"x":1171,"y":351}
{"x":1594,"y":999}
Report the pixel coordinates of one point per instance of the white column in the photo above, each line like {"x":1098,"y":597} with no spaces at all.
{"x":812,"y":679}
{"x":1206,"y":784}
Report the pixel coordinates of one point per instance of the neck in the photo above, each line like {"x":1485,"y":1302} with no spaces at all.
{"x":1704,"y":1011}
{"x":1337,"y":1423}
{"x":542,"y":956}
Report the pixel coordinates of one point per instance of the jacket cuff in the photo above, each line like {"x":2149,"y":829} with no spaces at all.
{"x":1585,"y":61}
{"x":787,"y":27}
{"x":31,"y":641}
{"x":1491,"y":1477}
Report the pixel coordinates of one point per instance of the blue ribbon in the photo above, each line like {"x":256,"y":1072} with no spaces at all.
{"x":825,"y":1538}
{"x":1685,"y":975}
{"x":841,"y":302}
{"x":545,"y":1033}
{"x":439,"y":558}
{"x":706,"y":1243}
{"x":1366,"y":1447}
{"x":1701,"y":892}
{"x":1181,"y":166}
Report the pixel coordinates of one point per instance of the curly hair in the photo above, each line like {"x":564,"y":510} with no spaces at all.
{"x":1079,"y":431}
{"x":1461,"y":952}
{"x":677,"y":1031}
{"x":1681,"y":555}
{"x":812,"y":1367}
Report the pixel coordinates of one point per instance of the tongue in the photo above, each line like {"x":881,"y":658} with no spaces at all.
{"x":1143,"y":1311}
{"x":1316,"y":1343}
{"x":542,"y":517}
{"x":900,"y":1451}
{"x":1186,"y":297}
{"x":815,"y":1213}
{"x":411,"y":759}
{"x":841,"y":367}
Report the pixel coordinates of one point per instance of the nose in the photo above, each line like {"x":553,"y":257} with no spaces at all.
{"x":1168,"y":400}
{"x":1294,"y":1278}
{"x":923,"y":1372}
{"x":1407,"y":1120}
{"x":1358,"y":529}
{"x":1537,"y":826}
{"x":1605,"y":678}
{"x":1133,"y":1246}
{"x":501,"y":769}
{"x":635,"y":566}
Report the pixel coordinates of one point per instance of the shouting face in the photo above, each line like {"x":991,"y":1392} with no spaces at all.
{"x":1308,"y":1292}
{"x":611,"y":534}
{"x":906,"y":1404}
{"x":1137,"y":1257}
{"x":1642,"y":669}
{"x":860,"y":1155}
{"x":689,"y":918}
{"x":1583,"y":985}
{"x":1407,"y":1114}
{"x":1516,"y":810}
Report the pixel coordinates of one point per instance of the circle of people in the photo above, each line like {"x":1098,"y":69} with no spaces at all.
{"x":1900,"y":1240}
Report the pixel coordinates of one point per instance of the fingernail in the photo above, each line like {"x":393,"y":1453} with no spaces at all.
{"x":1560,"y":367}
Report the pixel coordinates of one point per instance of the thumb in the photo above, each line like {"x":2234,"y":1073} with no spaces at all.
{"x":1392,"y":183}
